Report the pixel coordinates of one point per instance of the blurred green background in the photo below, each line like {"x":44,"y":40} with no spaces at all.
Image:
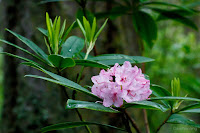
{"x":34,"y":104}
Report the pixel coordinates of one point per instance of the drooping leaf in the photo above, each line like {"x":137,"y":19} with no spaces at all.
{"x":68,"y":83}
{"x":176,"y":16}
{"x":146,"y":105}
{"x":180,"y":12}
{"x":73,"y":125}
{"x":61,"y":62}
{"x":31,"y":45}
{"x":72,"y":46}
{"x":63,"y":81}
{"x":90,"y":63}
{"x":179,"y":119}
{"x":72,"y":104}
{"x":166,"y":4}
{"x":31,"y":65}
{"x":22,"y":58}
{"x":146,"y":27}
{"x":22,"y":49}
{"x":111,"y":59}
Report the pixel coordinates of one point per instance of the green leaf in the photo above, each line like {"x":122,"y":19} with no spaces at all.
{"x":166,"y":4}
{"x":31,"y":45}
{"x":21,"y":58}
{"x":47,"y":1}
{"x":67,"y":83}
{"x":43,"y":31}
{"x":178,"y":119}
{"x":146,"y":105}
{"x":91,"y":64}
{"x":89,"y":15}
{"x":102,"y":27}
{"x":49,"y":27}
{"x":82,"y":55}
{"x":171,"y":98}
{"x":176,"y":16}
{"x":181,"y":12}
{"x":63,"y":81}
{"x":146,"y":27}
{"x":159,"y":91}
{"x":189,"y":107}
{"x":72,"y":104}
{"x":81,"y":27}
{"x":72,"y":46}
{"x":31,"y":65}
{"x":22,"y":49}
{"x":75,"y":124}
{"x":62,"y":29}
{"x":87,"y":28}
{"x":191,"y":111}
{"x":66,"y":33}
{"x":193,"y":4}
{"x":61,"y":62}
{"x":111,"y":59}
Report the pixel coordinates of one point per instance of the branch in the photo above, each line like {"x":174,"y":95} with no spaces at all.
{"x":164,"y":122}
{"x":133,"y":123}
{"x":146,"y":121}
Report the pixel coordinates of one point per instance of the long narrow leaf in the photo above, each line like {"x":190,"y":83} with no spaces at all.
{"x":166,"y":4}
{"x":75,"y":124}
{"x":67,"y":83}
{"x":66,"y":33}
{"x":72,"y":104}
{"x":21,"y":58}
{"x":146,"y":105}
{"x":91,"y":63}
{"x":22,"y":49}
{"x":102,"y":27}
{"x":31,"y":45}
{"x":191,"y":111}
{"x":178,"y":119}
{"x":174,"y":98}
{"x":191,"y":106}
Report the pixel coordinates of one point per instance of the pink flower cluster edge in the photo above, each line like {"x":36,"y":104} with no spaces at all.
{"x":121,"y":83}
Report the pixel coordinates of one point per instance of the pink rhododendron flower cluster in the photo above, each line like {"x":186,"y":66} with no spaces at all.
{"x":121,"y":83}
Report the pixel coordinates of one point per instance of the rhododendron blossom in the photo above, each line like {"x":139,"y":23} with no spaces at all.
{"x":121,"y":83}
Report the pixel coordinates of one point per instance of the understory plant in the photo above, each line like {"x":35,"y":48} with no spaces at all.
{"x":119,"y":85}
